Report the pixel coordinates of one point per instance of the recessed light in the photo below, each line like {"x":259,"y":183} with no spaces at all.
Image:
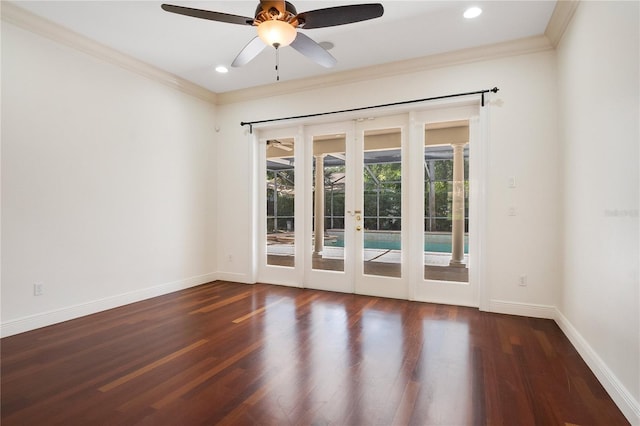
{"x":472,"y":12}
{"x":222,"y":69}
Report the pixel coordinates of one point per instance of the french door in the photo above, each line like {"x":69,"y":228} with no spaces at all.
{"x":357,"y":240}
{"x":352,"y":206}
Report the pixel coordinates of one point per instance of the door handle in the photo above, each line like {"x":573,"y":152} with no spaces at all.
{"x":358,"y":217}
{"x":358,"y":228}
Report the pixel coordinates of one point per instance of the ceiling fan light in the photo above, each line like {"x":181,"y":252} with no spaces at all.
{"x":276,"y":33}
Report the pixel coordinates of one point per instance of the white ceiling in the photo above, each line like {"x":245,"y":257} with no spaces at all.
{"x":191,"y":47}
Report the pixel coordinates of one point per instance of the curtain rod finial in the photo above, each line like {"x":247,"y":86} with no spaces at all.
{"x":242,"y":123}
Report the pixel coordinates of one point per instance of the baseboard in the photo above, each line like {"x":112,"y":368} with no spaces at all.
{"x":235,"y":277}
{"x":522,"y":309}
{"x":445,"y":301}
{"x":44,"y":319}
{"x":618,"y":392}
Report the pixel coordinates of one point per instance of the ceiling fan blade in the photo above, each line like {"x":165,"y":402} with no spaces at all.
{"x":339,"y":15}
{"x":250,"y":51}
{"x":207,"y":14}
{"x":313,"y":51}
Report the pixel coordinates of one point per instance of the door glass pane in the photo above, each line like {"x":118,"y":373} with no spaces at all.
{"x":328,"y":202}
{"x":280,"y":203}
{"x":381,"y":222}
{"x":446,"y":203}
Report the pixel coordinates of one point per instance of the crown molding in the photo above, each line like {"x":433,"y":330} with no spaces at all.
{"x":493,"y":51}
{"x":26,"y":20}
{"x":562,"y":14}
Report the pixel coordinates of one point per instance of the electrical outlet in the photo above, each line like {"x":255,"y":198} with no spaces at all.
{"x":523,"y":280}
{"x":230,"y":258}
{"x":38,"y":289}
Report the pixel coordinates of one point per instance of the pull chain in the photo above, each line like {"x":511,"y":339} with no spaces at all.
{"x":276,"y":45}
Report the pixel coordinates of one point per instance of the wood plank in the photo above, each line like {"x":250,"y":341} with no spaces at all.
{"x":256,"y":311}
{"x":149,"y":367}
{"x":222,"y":303}
{"x":206,"y":376}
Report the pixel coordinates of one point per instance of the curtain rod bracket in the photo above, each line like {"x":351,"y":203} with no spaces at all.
{"x":494,"y":90}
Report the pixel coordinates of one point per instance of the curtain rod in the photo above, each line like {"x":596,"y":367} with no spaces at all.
{"x":478,"y":92}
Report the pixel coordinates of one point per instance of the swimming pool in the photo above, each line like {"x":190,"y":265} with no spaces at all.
{"x":434,"y":242}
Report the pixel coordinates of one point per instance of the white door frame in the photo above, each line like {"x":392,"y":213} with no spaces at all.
{"x":273,"y":274}
{"x":340,"y":281}
{"x":450,"y":292}
{"x":375,"y":285}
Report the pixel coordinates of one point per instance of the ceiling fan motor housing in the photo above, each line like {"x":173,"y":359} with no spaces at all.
{"x":272,"y":10}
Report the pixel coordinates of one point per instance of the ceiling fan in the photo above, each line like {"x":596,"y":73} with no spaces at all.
{"x":277,"y":23}
{"x":287,"y":146}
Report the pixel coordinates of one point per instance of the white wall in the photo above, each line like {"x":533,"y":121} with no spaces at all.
{"x":107,"y":184}
{"x":599,"y":80}
{"x":523,"y":143}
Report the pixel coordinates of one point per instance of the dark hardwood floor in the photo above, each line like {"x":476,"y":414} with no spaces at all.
{"x":226,"y":353}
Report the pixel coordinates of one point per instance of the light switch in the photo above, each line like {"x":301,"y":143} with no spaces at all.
{"x":512,"y":181}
